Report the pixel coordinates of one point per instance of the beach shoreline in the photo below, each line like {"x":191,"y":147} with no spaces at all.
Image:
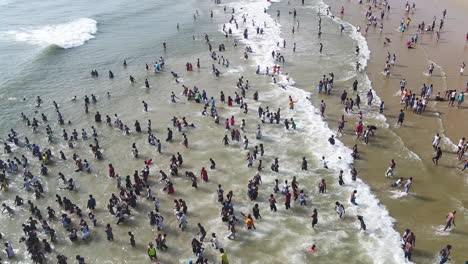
{"x":418,"y":131}
{"x":141,"y":105}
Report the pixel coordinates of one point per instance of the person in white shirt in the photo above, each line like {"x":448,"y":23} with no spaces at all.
{"x":461,"y":143}
{"x":398,"y":182}
{"x":408,"y":184}
{"x":214,"y":241}
{"x":436,"y":141}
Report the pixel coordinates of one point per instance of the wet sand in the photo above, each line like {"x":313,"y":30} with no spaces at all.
{"x":437,"y":190}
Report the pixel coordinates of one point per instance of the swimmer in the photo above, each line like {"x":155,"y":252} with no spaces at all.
{"x":312,"y":249}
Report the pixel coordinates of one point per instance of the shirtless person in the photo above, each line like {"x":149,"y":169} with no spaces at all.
{"x":450,"y":219}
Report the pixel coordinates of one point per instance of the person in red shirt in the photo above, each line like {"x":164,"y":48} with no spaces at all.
{"x":358,"y":130}
{"x":287,"y":202}
{"x":204,"y":174}
{"x":169,"y":187}
{"x":296,"y":194}
{"x":111,"y":171}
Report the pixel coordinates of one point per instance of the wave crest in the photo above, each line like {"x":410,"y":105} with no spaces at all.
{"x":67,"y":35}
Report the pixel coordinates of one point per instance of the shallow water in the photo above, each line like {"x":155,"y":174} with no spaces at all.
{"x":136,"y":32}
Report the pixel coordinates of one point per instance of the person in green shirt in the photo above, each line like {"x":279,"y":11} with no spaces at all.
{"x":152,"y":252}
{"x":460,"y":99}
{"x":224,"y":258}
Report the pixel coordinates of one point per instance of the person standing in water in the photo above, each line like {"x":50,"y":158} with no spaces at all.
{"x":391,"y":170}
{"x":224,"y":257}
{"x":436,"y":141}
{"x":437,"y":156}
{"x":353,"y":197}
{"x":249,"y":222}
{"x":450,"y":220}
{"x":323,"y":106}
{"x":340,"y":210}
{"x":152,"y":252}
{"x":408,"y":183}
{"x":401,"y":117}
{"x":304,"y":164}
{"x":314,"y":217}
{"x":445,"y":254}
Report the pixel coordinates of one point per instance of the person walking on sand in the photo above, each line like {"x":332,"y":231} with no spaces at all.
{"x":461,"y":98}
{"x":450,"y":220}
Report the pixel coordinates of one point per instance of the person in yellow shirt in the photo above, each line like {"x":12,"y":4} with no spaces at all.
{"x":291,"y":103}
{"x":4,"y":185}
{"x":224,"y":258}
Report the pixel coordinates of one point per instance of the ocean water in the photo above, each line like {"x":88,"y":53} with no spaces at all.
{"x":52,"y":53}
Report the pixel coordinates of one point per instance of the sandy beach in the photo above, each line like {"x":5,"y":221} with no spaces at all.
{"x":439,"y":189}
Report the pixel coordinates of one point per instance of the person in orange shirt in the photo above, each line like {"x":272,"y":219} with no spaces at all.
{"x":249,"y":221}
{"x":291,"y":103}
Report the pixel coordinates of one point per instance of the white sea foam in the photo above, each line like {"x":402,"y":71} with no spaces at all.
{"x":364,"y":51}
{"x":67,"y":35}
{"x":382,"y":242}
{"x":439,"y":230}
{"x":397,"y":194}
{"x":234,"y":70}
{"x":443,"y":74}
{"x":363,"y":57}
{"x":446,"y":141}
